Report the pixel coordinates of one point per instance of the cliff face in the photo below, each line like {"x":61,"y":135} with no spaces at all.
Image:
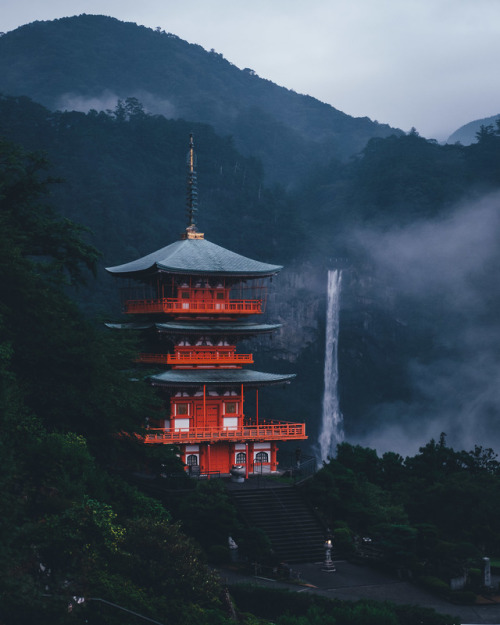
{"x":375,"y":343}
{"x":297,"y":302}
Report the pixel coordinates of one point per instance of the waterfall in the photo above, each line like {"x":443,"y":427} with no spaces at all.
{"x":332,"y":431}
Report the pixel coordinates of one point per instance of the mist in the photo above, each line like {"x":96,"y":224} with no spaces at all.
{"x":446,"y":273}
{"x":107,"y":101}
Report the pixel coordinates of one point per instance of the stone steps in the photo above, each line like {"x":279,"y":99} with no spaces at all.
{"x":295,"y":533}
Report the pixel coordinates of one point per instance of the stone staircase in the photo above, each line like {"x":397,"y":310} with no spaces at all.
{"x":295,"y":533}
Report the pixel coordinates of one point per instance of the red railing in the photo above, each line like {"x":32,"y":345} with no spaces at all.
{"x":180,"y":306}
{"x":209,"y":358}
{"x":196,"y":358}
{"x":273,"y":431}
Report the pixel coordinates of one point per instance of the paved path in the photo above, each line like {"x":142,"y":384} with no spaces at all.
{"x":352,"y":582}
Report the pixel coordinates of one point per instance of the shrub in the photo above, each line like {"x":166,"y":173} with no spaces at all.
{"x":434,"y":584}
{"x":463,"y":597}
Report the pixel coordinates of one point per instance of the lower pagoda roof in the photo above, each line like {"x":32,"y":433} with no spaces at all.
{"x":196,"y":327}
{"x":218,"y":377}
{"x":130,"y":326}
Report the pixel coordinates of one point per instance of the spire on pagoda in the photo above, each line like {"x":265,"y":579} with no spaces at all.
{"x":191,"y":194}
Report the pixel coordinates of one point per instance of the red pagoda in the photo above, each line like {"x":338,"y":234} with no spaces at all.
{"x":195,"y":300}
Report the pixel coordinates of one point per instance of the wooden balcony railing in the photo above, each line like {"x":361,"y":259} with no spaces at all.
{"x":191,"y":307}
{"x":273,"y":431}
{"x":197,"y":358}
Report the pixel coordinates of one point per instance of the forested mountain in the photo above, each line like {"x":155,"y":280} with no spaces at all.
{"x":124,"y":178}
{"x":466,"y":134}
{"x":89,"y":61}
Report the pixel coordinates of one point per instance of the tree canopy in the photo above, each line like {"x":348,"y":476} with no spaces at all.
{"x":71,"y":527}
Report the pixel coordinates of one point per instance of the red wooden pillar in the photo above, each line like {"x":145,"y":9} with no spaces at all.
{"x":274,"y":449}
{"x":242,"y":400}
{"x":246,"y":460}
{"x":205,"y":406}
{"x":257,"y":406}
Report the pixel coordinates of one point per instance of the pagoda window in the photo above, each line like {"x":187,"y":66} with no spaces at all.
{"x":191,"y":460}
{"x":181,"y":409}
{"x":241,"y":457}
{"x":262,"y":456}
{"x":219,"y":295}
{"x":230,"y":407}
{"x":185,"y":295}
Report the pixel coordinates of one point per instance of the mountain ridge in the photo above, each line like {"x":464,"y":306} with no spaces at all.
{"x":88,"y":57}
{"x":466,"y":134}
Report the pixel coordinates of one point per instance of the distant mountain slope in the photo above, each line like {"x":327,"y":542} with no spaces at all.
{"x":467,"y":134}
{"x":89,"y":61}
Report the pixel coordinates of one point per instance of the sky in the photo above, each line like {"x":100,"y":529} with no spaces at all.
{"x":427,"y":64}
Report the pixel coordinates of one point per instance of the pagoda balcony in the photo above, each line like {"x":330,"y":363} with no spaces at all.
{"x":195,"y":358}
{"x":273,"y":431}
{"x":194,"y":307}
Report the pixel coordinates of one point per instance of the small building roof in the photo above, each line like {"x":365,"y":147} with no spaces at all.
{"x":195,"y":257}
{"x":217,"y":377}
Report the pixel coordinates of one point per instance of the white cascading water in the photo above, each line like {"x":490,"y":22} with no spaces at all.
{"x":332,"y":430}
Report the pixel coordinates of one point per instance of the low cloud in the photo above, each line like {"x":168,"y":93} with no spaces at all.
{"x":448,"y":271}
{"x":107,"y":100}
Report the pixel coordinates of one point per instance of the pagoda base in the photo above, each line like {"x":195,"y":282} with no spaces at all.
{"x":248,"y":458}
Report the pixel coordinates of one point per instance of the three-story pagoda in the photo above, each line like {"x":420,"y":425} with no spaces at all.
{"x":195,"y":299}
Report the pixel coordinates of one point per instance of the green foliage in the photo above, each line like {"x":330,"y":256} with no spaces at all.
{"x":435,"y":585}
{"x":285,"y":608}
{"x":432,"y":513}
{"x":30,"y":229}
{"x":67,"y":527}
{"x":208,"y":515}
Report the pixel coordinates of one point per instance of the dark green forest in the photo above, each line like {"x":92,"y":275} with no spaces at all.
{"x":432,"y":515}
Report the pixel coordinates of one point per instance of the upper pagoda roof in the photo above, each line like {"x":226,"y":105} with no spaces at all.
{"x":195,"y":256}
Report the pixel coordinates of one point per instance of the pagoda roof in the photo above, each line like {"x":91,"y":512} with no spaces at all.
{"x":130,"y":326}
{"x":195,"y":257}
{"x":218,"y":377}
{"x":208,"y":327}
{"x":195,"y":327}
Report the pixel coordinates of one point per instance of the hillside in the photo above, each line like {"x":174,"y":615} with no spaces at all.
{"x":89,"y":61}
{"x":466,"y":134}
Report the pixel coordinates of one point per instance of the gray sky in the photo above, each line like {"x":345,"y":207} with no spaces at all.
{"x":431,"y":64}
